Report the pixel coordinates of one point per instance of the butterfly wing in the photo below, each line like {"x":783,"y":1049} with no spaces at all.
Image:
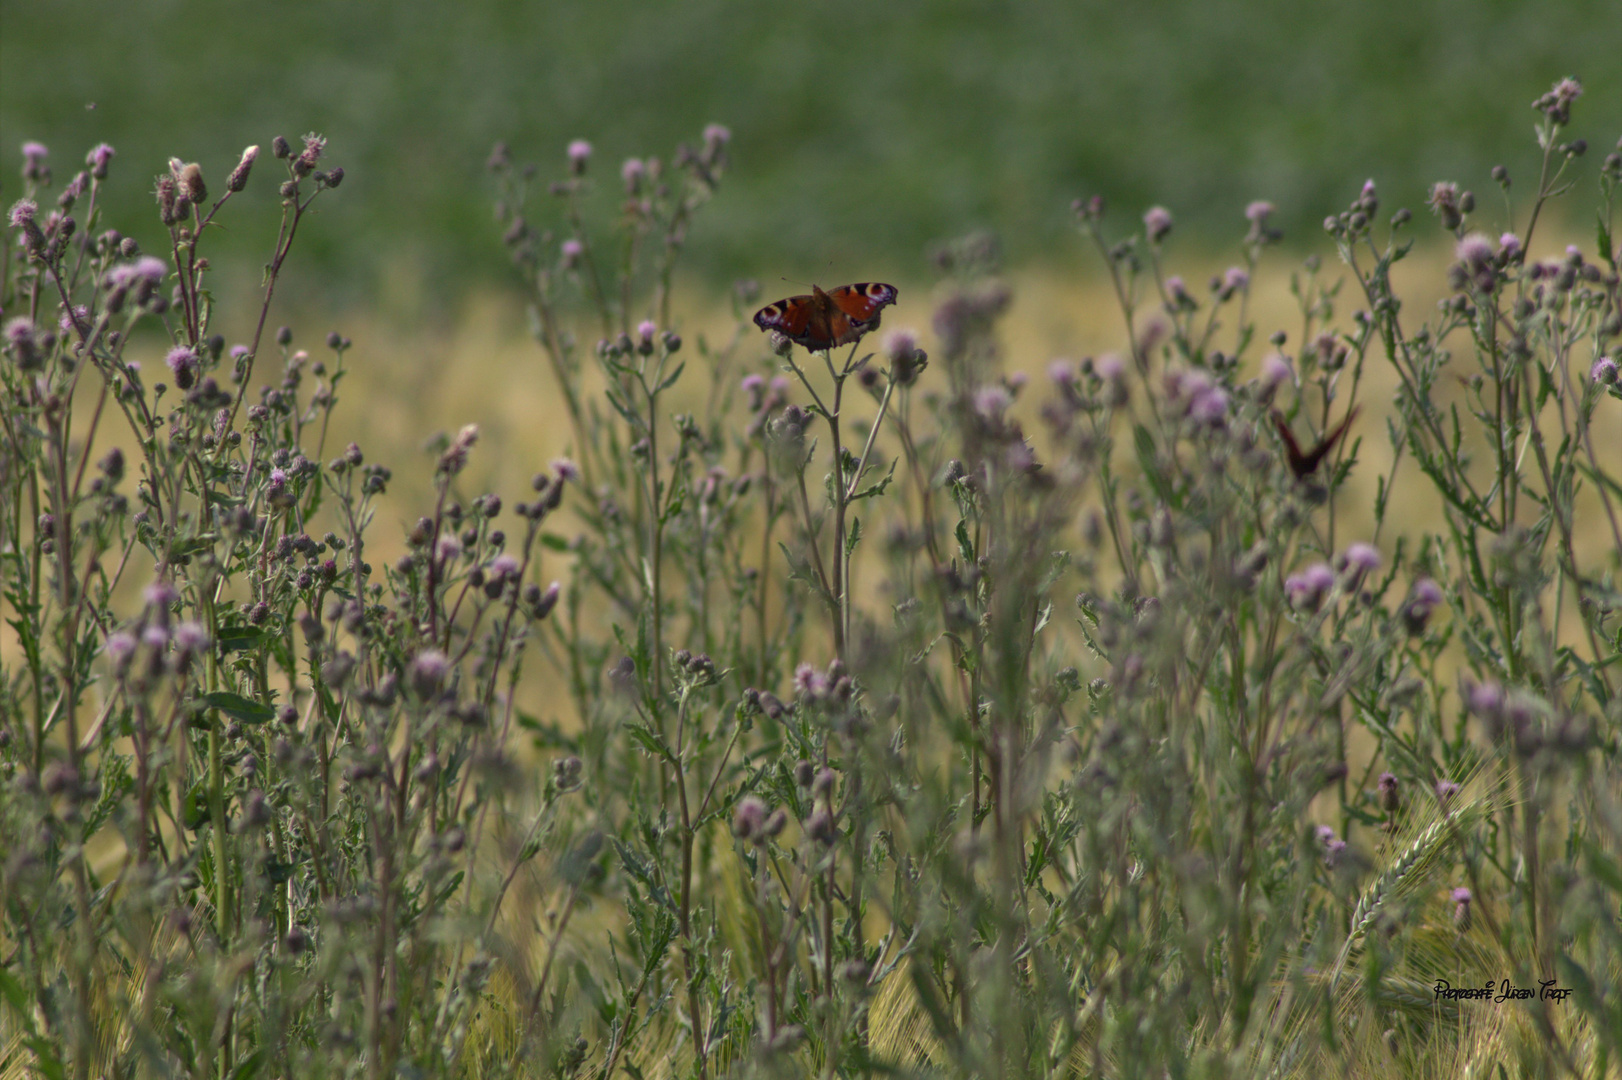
{"x":1321,"y":451}
{"x":1292,"y":449}
{"x":857,"y":308}
{"x":826,"y":319}
{"x":1303,"y":463}
{"x":791,"y":317}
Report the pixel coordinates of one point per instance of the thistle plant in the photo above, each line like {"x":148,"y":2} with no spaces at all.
{"x":888,"y":720}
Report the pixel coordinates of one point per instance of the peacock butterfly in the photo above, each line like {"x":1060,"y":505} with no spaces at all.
{"x":1303,"y":463}
{"x":823,"y":320}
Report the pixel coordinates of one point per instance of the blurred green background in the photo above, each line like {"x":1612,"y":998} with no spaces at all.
{"x":863,"y":132}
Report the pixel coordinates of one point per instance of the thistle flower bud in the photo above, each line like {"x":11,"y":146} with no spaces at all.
{"x":1422,"y":600}
{"x":314,"y":146}
{"x":239,"y":175}
{"x":1390,"y":797}
{"x":22,"y":215}
{"x":22,"y":342}
{"x":98,"y":159}
{"x":748,"y":818}
{"x":428,"y":671}
{"x":1556,"y":104}
{"x":548,"y":599}
{"x":189,"y":178}
{"x":820,"y":827}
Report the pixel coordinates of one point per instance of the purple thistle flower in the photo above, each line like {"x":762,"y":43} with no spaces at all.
{"x":151,"y":268}
{"x":579,"y":154}
{"x":1334,"y":852}
{"x":1556,"y":104}
{"x":190,"y":638}
{"x":21,"y":339}
{"x":120,"y":647}
{"x":1276,"y":370}
{"x":98,"y":160}
{"x":428,"y":670}
{"x":1445,"y":790}
{"x":633,"y":172}
{"x":76,"y":318}
{"x":159,"y":595}
{"x":809,"y":682}
{"x":1422,"y":600}
{"x":1360,"y":559}
{"x":1325,"y":834}
{"x":900,"y":345}
{"x":1157,"y":223}
{"x":717,"y":135}
{"x":1427,"y":591}
{"x":748,"y":817}
{"x":1184,"y":385}
{"x":571,"y":250}
{"x":1485,"y":700}
{"x":1603,"y":371}
{"x":990,"y":401}
{"x":566,"y":470}
{"x":504,"y":566}
{"x":1234,"y":279}
{"x":1510,"y":245}
{"x":23,"y":212}
{"x":314,"y":146}
{"x":1209,"y":406}
{"x":1259,"y":211}
{"x":1062,"y":372}
{"x":1474,"y":250}
{"x":454,"y":459}
{"x":183,"y":363}
{"x":1110,"y":367}
{"x":754,"y":387}
{"x":1306,"y":589}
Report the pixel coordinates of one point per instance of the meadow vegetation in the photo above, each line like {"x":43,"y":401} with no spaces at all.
{"x":877,"y":711}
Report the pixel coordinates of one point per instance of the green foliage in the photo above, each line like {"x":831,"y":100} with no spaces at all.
{"x":868,"y":133}
{"x":818,"y":793}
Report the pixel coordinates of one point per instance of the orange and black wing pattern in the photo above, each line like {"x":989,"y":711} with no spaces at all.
{"x":824,"y":320}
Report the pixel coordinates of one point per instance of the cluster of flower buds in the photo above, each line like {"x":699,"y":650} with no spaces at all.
{"x":752,"y":822}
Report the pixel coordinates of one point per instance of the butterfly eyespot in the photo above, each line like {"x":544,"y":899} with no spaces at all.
{"x":822,"y":319}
